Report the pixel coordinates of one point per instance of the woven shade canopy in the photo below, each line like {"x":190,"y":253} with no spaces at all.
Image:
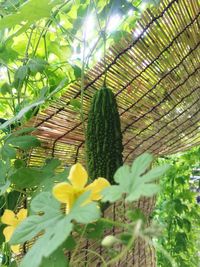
{"x":154,"y":74}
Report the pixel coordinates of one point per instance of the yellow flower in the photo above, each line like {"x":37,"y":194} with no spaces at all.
{"x":12,"y":220}
{"x":68,"y":192}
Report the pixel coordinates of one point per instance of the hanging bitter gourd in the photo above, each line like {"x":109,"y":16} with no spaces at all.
{"x":103,"y":137}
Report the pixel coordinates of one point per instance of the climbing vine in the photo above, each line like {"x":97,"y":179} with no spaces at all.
{"x":178,"y":212}
{"x":45,"y":46}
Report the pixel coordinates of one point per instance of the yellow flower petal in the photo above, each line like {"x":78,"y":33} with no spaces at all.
{"x":21,"y":215}
{"x":8,"y":231}
{"x":69,"y":203}
{"x":63,"y":192}
{"x":78,"y":176}
{"x":16,"y":249}
{"x":9,"y":218}
{"x":96,"y":187}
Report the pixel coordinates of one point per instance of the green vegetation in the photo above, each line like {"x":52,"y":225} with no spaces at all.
{"x":178,"y":212}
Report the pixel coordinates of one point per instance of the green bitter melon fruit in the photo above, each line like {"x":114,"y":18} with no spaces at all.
{"x":103,"y":137}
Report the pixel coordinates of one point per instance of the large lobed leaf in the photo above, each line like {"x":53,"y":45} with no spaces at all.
{"x":53,"y":224}
{"x":28,"y":13}
{"x":42,"y":177}
{"x":135,"y":181}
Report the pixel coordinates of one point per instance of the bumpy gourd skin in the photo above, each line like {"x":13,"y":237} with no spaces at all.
{"x":104,"y":137}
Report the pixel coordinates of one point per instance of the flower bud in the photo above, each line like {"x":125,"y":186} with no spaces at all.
{"x":109,"y":241}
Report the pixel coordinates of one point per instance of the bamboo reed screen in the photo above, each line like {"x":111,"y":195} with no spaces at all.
{"x":154,"y":74}
{"x":155,"y":78}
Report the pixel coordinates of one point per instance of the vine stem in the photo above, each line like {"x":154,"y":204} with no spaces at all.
{"x":98,"y":255}
{"x":28,"y":44}
{"x":77,"y":247}
{"x":82,"y":84}
{"x":118,"y":224}
{"x":114,"y":223}
{"x":104,"y":44}
{"x":63,"y":30}
{"x":47,"y":25}
{"x":135,"y":233}
{"x":27,"y":57}
{"x":45,"y":47}
{"x":12,"y":96}
{"x":103,"y":35}
{"x":82,"y":87}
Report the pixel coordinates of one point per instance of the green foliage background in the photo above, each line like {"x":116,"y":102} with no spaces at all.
{"x":178,"y":212}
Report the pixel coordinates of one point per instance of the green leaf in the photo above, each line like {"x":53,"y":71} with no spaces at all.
{"x":24,"y":142}
{"x":155,"y":173}
{"x":37,"y":65}
{"x":28,"y":13}
{"x":4,"y":187}
{"x":3,"y":171}
{"x":50,"y":177}
{"x":5,"y":88}
{"x":141,"y":164}
{"x":56,"y":226}
{"x":181,"y":241}
{"x":2,"y":237}
{"x":26,"y":177}
{"x":24,"y":130}
{"x":187,"y":224}
{"x":112,"y":193}
{"x":13,"y":264}
{"x":56,"y":259}
{"x":51,"y":164}
{"x":118,"y":35}
{"x":12,"y":199}
{"x":70,"y":243}
{"x":85,"y":213}
{"x":179,"y":206}
{"x":54,"y":236}
{"x":77,"y":71}
{"x":19,"y":163}
{"x":96,"y":230}
{"x":7,"y":53}
{"x":8,"y":152}
{"x":21,"y":73}
{"x":43,"y":177}
{"x":135,"y":182}
{"x":122,"y":176}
